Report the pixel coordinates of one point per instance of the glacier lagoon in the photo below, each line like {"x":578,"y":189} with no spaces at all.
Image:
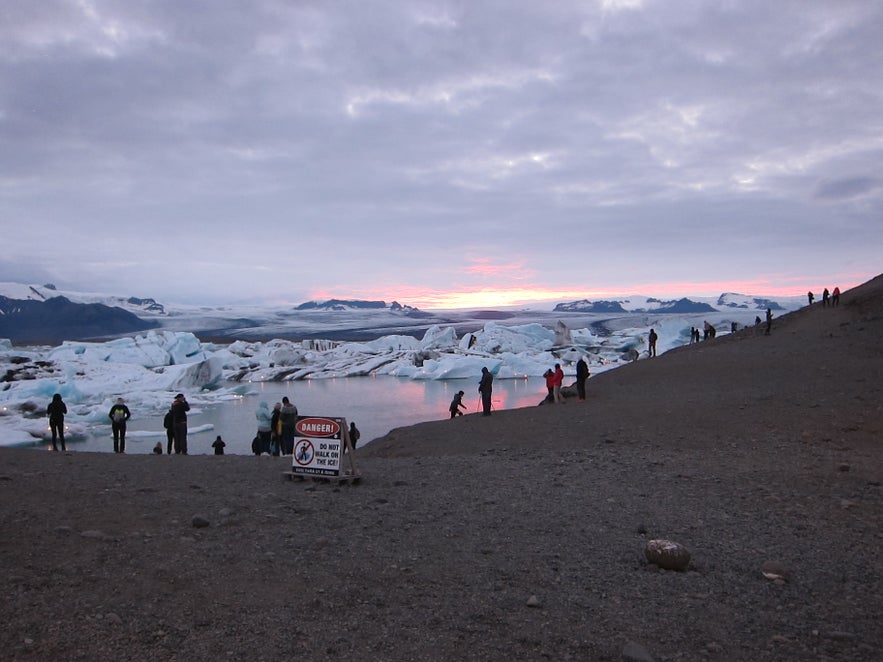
{"x":376,"y":405}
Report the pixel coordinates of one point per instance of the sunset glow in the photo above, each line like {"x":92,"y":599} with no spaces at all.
{"x":509,"y":297}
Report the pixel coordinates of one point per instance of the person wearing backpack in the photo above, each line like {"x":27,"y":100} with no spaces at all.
{"x":288,"y":419}
{"x":119,"y":414}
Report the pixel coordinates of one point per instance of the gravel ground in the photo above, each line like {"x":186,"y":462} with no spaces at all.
{"x":515,"y":536}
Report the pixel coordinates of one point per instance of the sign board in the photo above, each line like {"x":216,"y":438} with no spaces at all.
{"x":318,"y":445}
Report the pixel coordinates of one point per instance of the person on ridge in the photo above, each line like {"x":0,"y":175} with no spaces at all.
{"x":825,"y":296}
{"x":218,"y":444}
{"x":835,"y":297}
{"x":811,"y":297}
{"x":456,"y":403}
{"x":179,"y":410}
{"x":56,"y":411}
{"x":119,"y":414}
{"x":651,"y":343}
{"x":769,"y":322}
{"x":486,"y":387}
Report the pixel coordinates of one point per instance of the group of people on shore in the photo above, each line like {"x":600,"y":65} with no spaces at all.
{"x":275,"y":434}
{"x":118,"y":415}
{"x":554,"y":382}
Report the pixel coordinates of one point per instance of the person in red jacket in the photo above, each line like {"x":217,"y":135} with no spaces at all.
{"x":550,"y":385}
{"x":557,"y":381}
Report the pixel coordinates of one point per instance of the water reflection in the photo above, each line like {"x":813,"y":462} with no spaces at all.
{"x":376,"y":404}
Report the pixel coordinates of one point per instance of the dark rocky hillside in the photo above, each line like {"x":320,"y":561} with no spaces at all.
{"x":57,"y":319}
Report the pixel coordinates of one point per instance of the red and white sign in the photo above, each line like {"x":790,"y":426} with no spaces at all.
{"x":318,"y":446}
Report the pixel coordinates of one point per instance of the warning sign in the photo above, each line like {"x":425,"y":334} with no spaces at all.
{"x":318,"y":446}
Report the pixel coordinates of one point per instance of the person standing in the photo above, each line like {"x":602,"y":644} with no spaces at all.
{"x":835,"y":297}
{"x":218,"y":444}
{"x":170,"y":431}
{"x":265,"y":421}
{"x":354,"y":435}
{"x":582,"y":374}
{"x":769,"y":322}
{"x":456,"y":403}
{"x":119,"y":414}
{"x":56,"y":411}
{"x":825,"y":295}
{"x":810,"y":297}
{"x":557,"y":382}
{"x":275,"y":430}
{"x":288,"y":419}
{"x":550,"y":386}
{"x":180,"y":407}
{"x":651,"y":343}
{"x":486,"y":387}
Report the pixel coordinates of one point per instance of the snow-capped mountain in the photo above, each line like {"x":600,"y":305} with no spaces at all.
{"x":640,"y":304}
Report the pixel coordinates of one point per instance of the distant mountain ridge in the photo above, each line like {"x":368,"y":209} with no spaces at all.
{"x":651,"y":305}
{"x":353,"y":304}
{"x":58,"y":319}
{"x":684,"y":305}
{"x":25,"y":320}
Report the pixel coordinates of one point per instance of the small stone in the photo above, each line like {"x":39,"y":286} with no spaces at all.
{"x":199,"y":522}
{"x":667,"y":554}
{"x":534,"y":601}
{"x":843,"y":467}
{"x":113,"y":619}
{"x":774,"y":571}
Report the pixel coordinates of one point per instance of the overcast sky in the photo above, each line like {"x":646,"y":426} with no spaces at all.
{"x":440,"y":153}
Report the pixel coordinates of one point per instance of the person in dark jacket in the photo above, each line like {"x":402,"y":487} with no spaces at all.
{"x":119,"y":414}
{"x":218,"y":444}
{"x":456,"y":404}
{"x":179,"y":410}
{"x":170,"y":431}
{"x":288,"y":418}
{"x":486,"y":387}
{"x":56,"y":411}
{"x":275,"y":430}
{"x":582,"y":374}
{"x":354,"y":435}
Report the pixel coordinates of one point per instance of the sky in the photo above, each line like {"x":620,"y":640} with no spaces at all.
{"x":442,"y":154}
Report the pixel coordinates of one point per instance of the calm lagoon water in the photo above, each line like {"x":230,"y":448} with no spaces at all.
{"x":376,"y":405}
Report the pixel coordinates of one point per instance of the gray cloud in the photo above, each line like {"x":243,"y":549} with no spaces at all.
{"x":222,"y":149}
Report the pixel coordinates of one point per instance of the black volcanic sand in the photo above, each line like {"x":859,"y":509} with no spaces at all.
{"x":515,"y":536}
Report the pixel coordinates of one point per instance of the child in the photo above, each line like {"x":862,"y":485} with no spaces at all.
{"x":218,"y":445}
{"x":456,"y":403}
